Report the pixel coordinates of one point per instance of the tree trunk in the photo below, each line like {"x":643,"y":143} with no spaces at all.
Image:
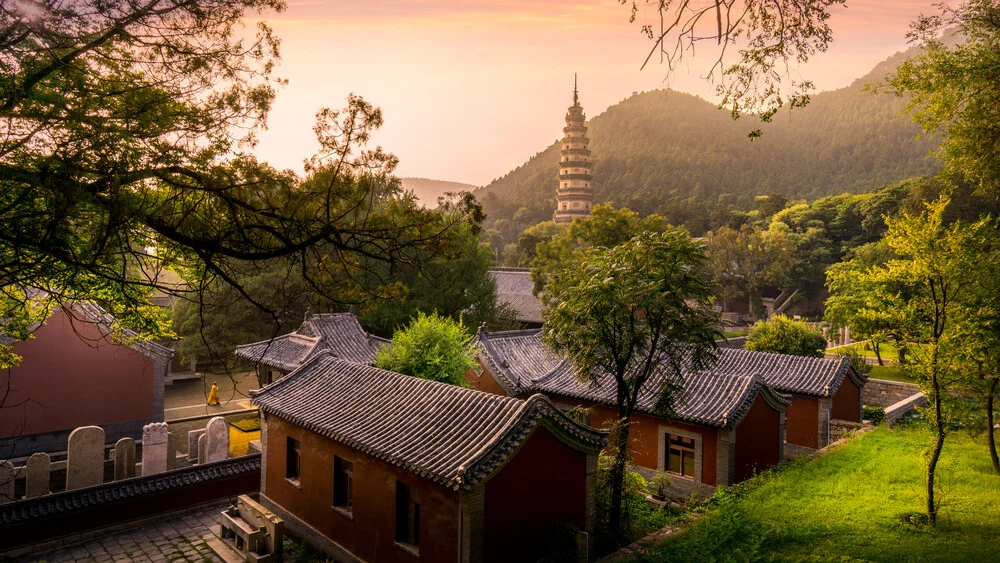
{"x":990,"y":432}
{"x":878,"y":355}
{"x":757,"y":306}
{"x":938,"y":445}
{"x":617,"y":475}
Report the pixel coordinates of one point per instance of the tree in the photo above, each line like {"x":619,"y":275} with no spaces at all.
{"x":455,"y":283}
{"x":120,"y":156}
{"x":744,"y":261}
{"x":605,"y":227}
{"x":929,"y":286}
{"x":850,"y":298}
{"x":637,"y":312}
{"x":783,"y":335}
{"x":431,"y":347}
{"x":773,"y":34}
{"x":953,"y":90}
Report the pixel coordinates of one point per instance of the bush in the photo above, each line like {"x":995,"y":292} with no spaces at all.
{"x":783,"y":335}
{"x":431,"y":347}
{"x":874,"y":413}
{"x":638,"y":518}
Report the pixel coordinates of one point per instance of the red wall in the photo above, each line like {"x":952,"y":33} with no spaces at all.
{"x":847,"y":402}
{"x":802,"y":422}
{"x":757,"y":440}
{"x":66,"y":380}
{"x":643,"y":436}
{"x":485,"y":382}
{"x":371,"y":534}
{"x":542,"y":487}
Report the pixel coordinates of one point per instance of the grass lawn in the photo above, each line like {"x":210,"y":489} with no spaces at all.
{"x":847,"y":506}
{"x":893,"y":373}
{"x":887,"y":350}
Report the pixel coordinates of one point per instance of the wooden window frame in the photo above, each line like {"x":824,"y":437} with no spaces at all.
{"x":408,"y":518}
{"x":293,"y":461}
{"x":343,"y":476}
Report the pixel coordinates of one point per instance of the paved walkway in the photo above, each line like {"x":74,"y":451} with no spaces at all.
{"x":186,"y":398}
{"x":177,"y":538}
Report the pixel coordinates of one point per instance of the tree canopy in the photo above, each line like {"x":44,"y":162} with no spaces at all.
{"x":638,"y":312}
{"x":124,"y":126}
{"x":953,"y":88}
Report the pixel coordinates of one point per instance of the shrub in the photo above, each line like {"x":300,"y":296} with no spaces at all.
{"x":874,"y":413}
{"x":638,"y":518}
{"x":783,"y":335}
{"x":431,"y":347}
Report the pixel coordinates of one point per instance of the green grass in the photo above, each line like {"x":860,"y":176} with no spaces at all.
{"x":734,"y":333}
{"x":893,"y":373}
{"x":847,"y":506}
{"x":887,"y":350}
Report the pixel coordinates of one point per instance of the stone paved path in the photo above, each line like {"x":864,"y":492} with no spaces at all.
{"x":177,"y":538}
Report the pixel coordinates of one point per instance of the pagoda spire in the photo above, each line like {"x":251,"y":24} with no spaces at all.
{"x":574,"y":194}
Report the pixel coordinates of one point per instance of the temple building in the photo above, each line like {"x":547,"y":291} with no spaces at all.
{"x":575,"y":195}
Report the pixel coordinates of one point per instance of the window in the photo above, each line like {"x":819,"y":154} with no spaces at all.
{"x":407,"y":516}
{"x":680,"y":455}
{"x":343,"y":483}
{"x":293,"y":460}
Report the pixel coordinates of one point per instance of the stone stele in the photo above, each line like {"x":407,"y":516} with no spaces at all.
{"x":85,"y":458}
{"x":216,"y":440}
{"x":155,"y":442}
{"x":38,"y":473}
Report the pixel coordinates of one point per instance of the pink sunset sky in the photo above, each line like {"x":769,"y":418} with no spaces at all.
{"x":470,"y":90}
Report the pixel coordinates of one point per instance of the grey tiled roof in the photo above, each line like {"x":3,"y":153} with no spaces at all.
{"x":341,"y":334}
{"x":338,"y":333}
{"x":448,"y":434}
{"x":514,"y":286}
{"x":285,"y":352}
{"x":711,"y":397}
{"x":799,"y":375}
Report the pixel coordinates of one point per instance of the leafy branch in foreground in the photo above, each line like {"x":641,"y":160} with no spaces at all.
{"x":768,"y":35}
{"x":121,"y":131}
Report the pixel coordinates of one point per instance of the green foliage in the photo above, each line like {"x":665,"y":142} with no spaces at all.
{"x":638,"y":519}
{"x":745,"y":260}
{"x":676,"y":155}
{"x":121,"y":159}
{"x":874,"y":413}
{"x":431,"y":347}
{"x":210,"y":328}
{"x":770,"y":35}
{"x":855,"y":513}
{"x":631,"y":309}
{"x":953,"y":90}
{"x":783,"y":335}
{"x":454,"y":282}
{"x":606,"y":227}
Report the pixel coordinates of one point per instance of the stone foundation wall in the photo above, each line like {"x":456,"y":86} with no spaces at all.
{"x":885,"y":393}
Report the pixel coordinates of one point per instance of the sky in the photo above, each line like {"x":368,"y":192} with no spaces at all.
{"x":471,"y":89}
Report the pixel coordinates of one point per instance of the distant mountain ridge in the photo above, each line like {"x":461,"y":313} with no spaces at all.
{"x":428,"y":190}
{"x":678,"y":155}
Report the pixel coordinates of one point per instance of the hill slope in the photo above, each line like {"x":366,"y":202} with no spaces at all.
{"x":676,"y":154}
{"x":427,"y":190}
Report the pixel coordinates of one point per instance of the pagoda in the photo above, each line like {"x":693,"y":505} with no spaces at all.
{"x":575,"y":195}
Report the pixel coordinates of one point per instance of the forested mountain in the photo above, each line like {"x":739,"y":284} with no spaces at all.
{"x":427,"y":190}
{"x":675,"y":154}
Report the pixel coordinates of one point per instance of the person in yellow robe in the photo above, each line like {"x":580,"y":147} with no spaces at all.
{"x":213,"y":395}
